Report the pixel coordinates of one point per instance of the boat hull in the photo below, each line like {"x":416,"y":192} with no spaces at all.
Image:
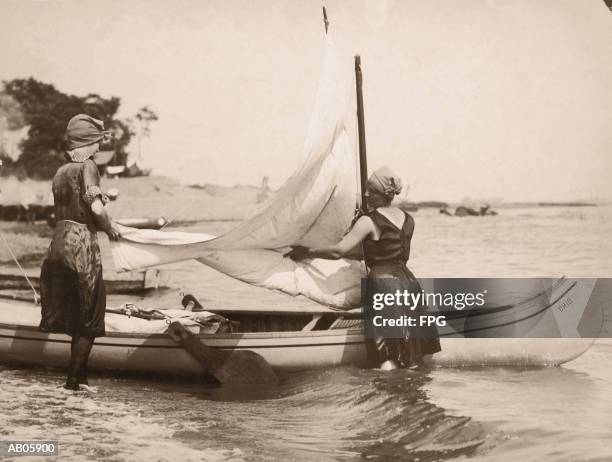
{"x":157,"y":353}
{"x":21,"y":342}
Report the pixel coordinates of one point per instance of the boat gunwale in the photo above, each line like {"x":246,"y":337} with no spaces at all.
{"x":226,"y":336}
{"x":356,"y":313}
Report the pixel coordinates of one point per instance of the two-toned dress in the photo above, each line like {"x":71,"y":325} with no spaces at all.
{"x":73,"y":297}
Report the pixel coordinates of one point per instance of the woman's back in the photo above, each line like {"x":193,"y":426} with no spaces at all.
{"x":393,"y":243}
{"x":71,"y":184}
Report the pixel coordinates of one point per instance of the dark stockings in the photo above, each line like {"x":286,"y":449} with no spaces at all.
{"x":80,"y":348}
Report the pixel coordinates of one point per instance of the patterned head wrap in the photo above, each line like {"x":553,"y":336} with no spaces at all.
{"x":384,"y":181}
{"x":83,"y":134}
{"x":84,"y":130}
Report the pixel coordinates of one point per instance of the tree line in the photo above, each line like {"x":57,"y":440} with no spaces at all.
{"x":46,"y":111}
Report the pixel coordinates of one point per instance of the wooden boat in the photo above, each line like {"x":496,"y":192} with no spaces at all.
{"x":310,"y":338}
{"x":463,"y":211}
{"x":143,"y":223}
{"x":116,"y":283}
{"x":28,"y":213}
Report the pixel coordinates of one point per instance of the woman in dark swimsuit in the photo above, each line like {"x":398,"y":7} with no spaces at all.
{"x":385,"y":234}
{"x":73,"y":298}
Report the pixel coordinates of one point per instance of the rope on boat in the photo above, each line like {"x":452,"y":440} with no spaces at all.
{"x":36,"y":296}
{"x":180,"y":214}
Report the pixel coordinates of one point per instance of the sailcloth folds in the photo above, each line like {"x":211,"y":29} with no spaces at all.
{"x":313,"y":208}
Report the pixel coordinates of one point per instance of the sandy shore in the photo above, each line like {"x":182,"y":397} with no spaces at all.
{"x":216,"y":208}
{"x":165,"y":197}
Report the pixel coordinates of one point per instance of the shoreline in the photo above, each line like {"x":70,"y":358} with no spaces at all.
{"x":215,"y":206}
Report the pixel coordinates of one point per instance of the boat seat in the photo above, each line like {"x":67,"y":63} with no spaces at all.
{"x":313,"y":323}
{"x":343,"y":323}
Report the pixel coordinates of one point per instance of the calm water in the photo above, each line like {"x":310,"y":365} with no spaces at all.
{"x":560,"y":414}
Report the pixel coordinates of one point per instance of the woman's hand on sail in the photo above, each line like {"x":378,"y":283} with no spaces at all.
{"x":113,"y":232}
{"x":362,"y":229}
{"x":104,"y":220}
{"x":297,"y":253}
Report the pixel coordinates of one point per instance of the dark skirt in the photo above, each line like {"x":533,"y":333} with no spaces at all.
{"x":417,"y":341}
{"x":72,"y":291}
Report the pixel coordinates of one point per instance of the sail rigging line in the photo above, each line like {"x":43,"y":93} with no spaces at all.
{"x":179,"y":214}
{"x":36,"y":296}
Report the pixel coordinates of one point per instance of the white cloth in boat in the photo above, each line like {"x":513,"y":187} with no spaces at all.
{"x":314,"y":207}
{"x":200,"y":321}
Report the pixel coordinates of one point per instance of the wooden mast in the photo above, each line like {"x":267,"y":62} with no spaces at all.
{"x":325,"y":21}
{"x":363,"y":162}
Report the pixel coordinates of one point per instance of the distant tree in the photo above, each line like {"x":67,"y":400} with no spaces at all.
{"x":47,"y":110}
{"x":141,"y":126}
{"x":8,"y":167}
{"x":11,"y":116}
{"x":11,"y":119}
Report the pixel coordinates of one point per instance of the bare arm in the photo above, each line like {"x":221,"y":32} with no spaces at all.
{"x":93,"y":196}
{"x":103,"y":220}
{"x":362,"y":229}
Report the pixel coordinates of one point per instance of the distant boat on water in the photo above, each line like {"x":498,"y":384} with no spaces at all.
{"x":407,"y":206}
{"x":463,"y":211}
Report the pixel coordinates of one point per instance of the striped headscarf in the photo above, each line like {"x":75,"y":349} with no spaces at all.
{"x":384,"y":181}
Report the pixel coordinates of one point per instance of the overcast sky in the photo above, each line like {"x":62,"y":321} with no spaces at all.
{"x":479,"y":98}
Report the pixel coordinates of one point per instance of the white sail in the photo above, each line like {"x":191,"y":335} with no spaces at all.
{"x":314,"y":207}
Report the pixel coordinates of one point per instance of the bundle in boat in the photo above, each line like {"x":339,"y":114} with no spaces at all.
{"x":185,"y":328}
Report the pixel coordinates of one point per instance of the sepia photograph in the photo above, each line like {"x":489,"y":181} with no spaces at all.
{"x":309,"y":230}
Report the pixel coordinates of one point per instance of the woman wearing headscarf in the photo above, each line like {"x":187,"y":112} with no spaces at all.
{"x":73,"y":297}
{"x":385,"y":233}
